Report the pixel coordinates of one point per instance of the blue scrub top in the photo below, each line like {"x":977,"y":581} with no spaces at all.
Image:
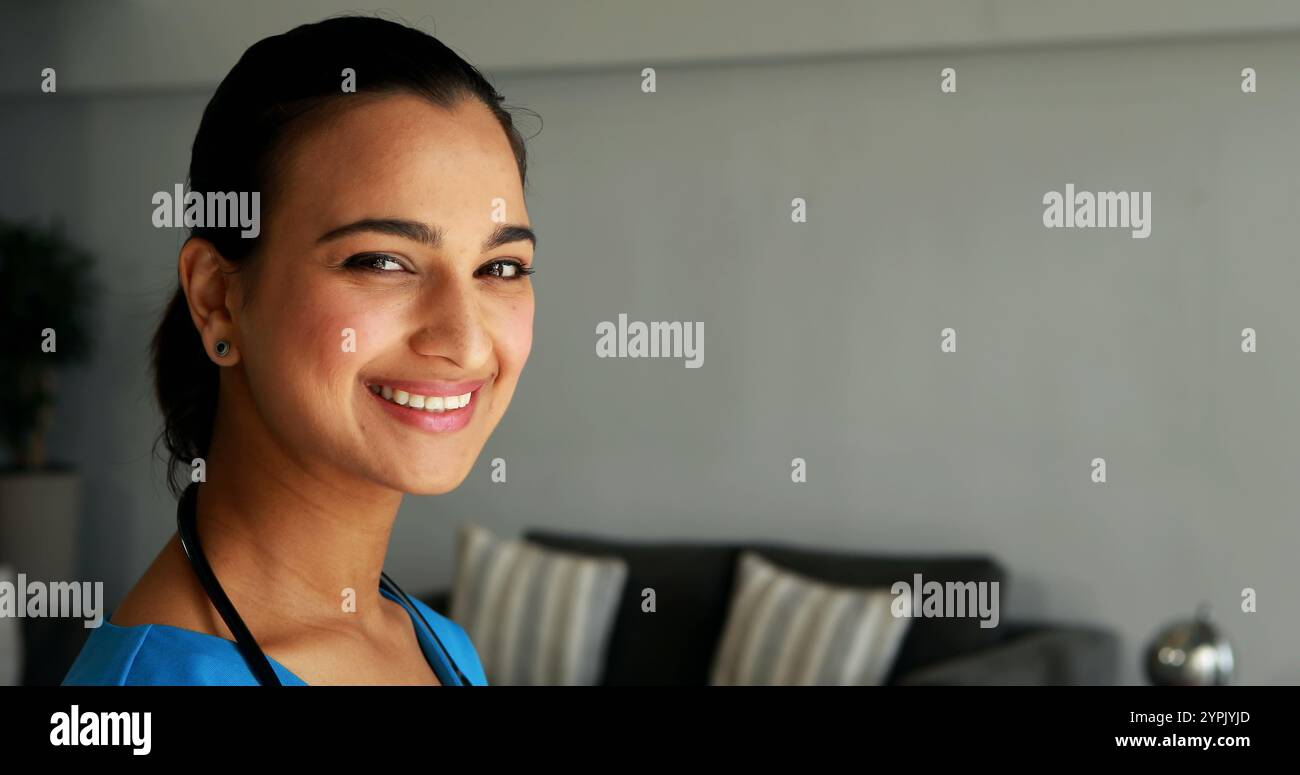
{"x":161,"y":654}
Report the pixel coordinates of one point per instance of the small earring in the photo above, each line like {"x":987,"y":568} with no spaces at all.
{"x":223,"y":348}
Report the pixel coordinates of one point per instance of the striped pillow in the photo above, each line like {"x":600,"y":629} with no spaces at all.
{"x":788,"y":629}
{"x":11,"y":641}
{"x":538,"y":617}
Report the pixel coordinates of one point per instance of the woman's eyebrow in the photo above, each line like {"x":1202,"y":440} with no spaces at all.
{"x":429,"y":235}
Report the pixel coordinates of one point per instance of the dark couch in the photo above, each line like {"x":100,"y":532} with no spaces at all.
{"x":693,"y":585}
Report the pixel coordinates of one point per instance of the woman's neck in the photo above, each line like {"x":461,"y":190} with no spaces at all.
{"x":289,"y":537}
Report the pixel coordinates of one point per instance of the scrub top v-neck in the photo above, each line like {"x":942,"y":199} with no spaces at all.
{"x":161,"y":654}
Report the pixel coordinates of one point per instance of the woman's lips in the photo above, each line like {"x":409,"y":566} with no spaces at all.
{"x":423,"y":418}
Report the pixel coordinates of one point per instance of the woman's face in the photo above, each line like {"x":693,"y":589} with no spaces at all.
{"x":389,"y":264}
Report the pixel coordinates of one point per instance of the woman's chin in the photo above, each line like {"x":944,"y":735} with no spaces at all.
{"x":440,"y":485}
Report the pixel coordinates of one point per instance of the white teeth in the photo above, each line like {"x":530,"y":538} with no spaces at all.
{"x":416,"y":401}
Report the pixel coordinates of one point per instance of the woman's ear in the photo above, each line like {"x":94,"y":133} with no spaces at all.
{"x":207,"y":279}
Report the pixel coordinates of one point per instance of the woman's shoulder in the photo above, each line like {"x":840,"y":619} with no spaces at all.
{"x":157,"y":635}
{"x":160,"y":654}
{"x":107,"y":657}
{"x":166,"y":655}
{"x":168,"y":592}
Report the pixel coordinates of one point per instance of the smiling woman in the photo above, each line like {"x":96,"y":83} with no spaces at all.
{"x":393,"y":216}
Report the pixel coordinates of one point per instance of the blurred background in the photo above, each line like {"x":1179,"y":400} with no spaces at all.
{"x":821,"y":339}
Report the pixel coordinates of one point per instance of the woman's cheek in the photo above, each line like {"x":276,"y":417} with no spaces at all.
{"x":329,"y":347}
{"x":517,"y":333}
{"x":344,"y":344}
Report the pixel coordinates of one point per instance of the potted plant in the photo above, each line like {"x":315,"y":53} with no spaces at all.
{"x":47,"y":293}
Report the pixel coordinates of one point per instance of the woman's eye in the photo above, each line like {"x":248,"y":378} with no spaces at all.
{"x":508,"y":270}
{"x":375,"y":262}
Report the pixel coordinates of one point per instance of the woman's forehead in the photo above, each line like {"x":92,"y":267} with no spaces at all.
{"x":404,"y":156}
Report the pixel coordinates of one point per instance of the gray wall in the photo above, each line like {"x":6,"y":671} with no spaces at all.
{"x":821,"y":339}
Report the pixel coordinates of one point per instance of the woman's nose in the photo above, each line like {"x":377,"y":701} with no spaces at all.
{"x":452,"y":324}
